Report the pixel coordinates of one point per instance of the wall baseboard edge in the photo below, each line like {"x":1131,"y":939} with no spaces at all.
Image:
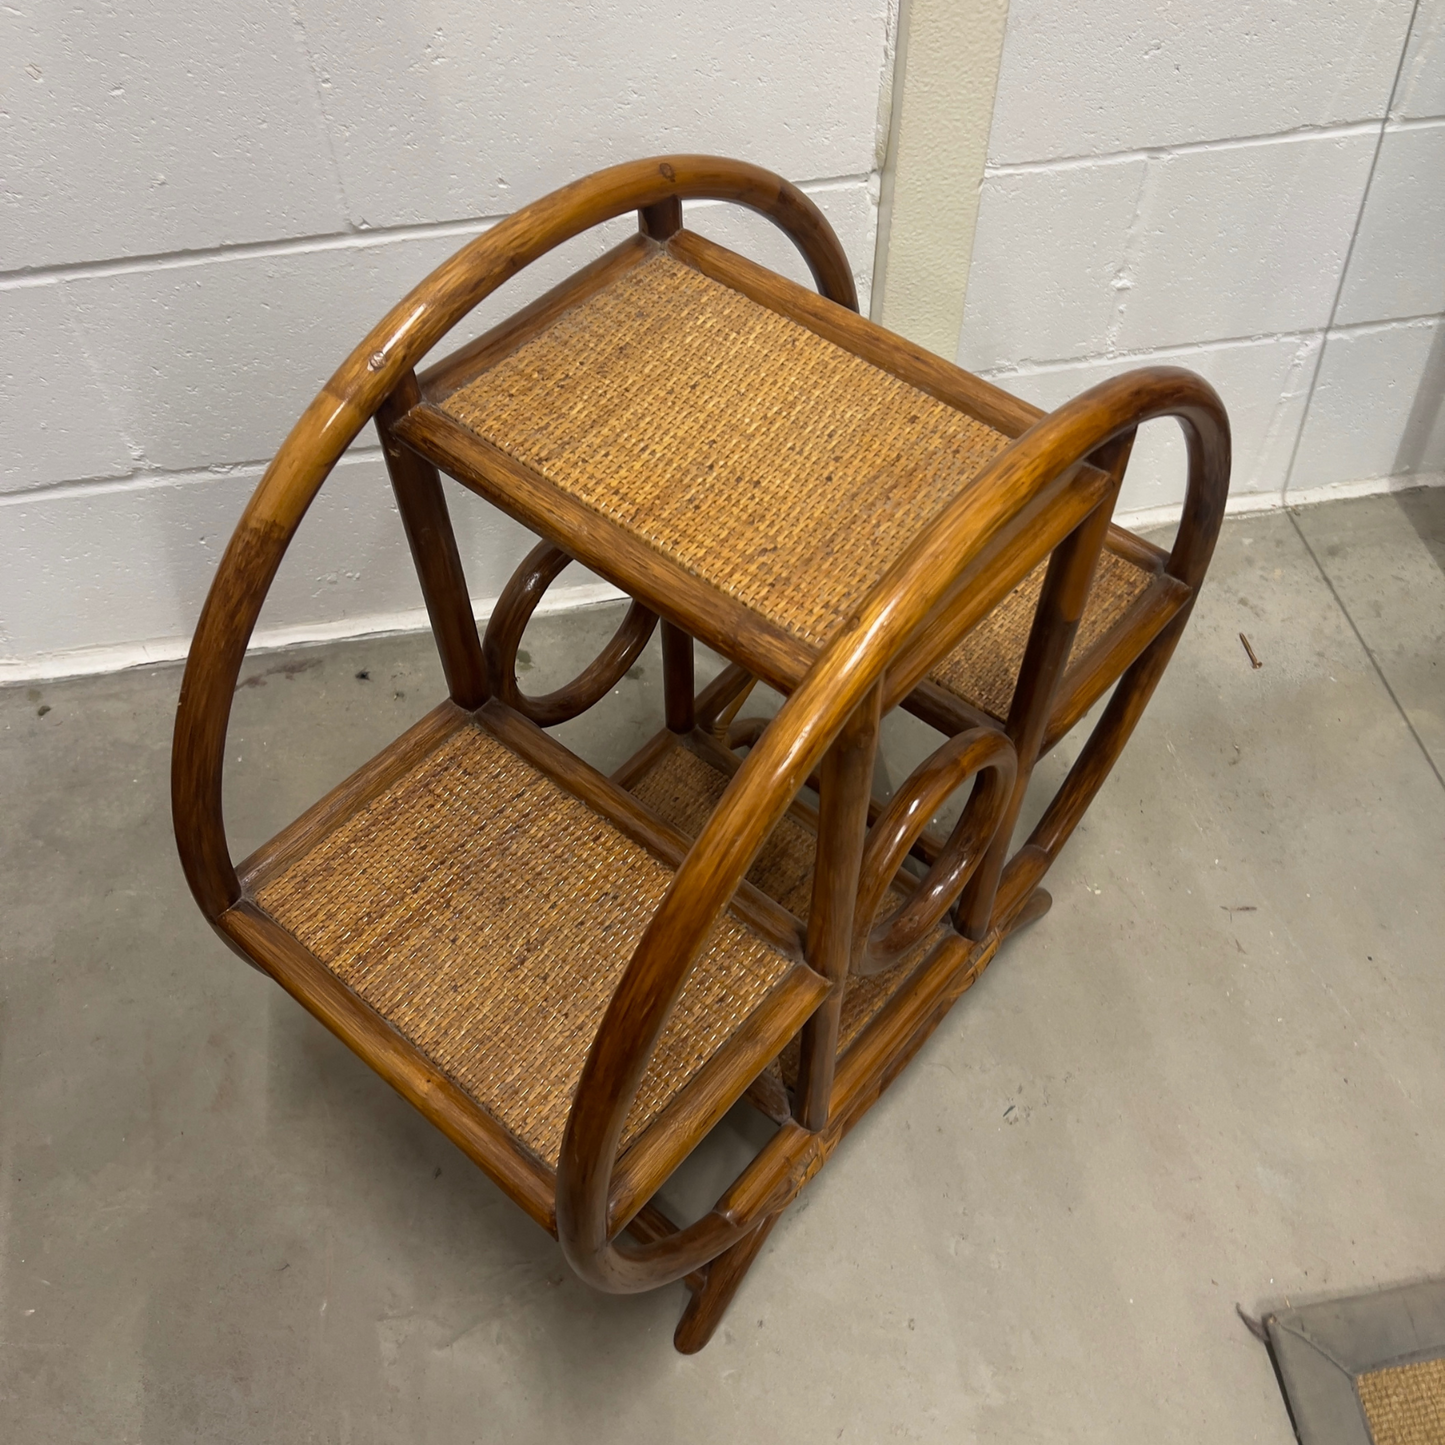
{"x":123,"y":656}
{"x":1246,"y":503}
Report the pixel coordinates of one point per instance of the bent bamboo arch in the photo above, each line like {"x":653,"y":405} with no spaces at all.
{"x":865,"y":666}
{"x":382,"y":362}
{"x":790,"y":750}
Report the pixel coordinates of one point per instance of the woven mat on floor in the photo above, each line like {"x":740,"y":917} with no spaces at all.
{"x":1405,"y":1404}
{"x":1369,"y":1370}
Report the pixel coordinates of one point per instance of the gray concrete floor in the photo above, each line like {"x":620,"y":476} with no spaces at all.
{"x":1212,"y":1075}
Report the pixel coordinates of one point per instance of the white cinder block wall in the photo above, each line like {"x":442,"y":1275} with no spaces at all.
{"x":204,"y":208}
{"x":1254,"y":189}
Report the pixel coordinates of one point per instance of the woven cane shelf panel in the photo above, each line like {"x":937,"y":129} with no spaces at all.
{"x":984,"y":667}
{"x":683,"y":790}
{"x":487,"y":915}
{"x":769,"y":462}
{"x":1405,"y":1404}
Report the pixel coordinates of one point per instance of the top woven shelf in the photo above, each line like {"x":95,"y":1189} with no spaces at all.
{"x":772,"y":464}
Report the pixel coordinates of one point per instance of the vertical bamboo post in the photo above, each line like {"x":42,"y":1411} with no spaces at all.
{"x":1051,"y":638}
{"x":677,"y":682}
{"x":423,"y":507}
{"x":844,"y":791}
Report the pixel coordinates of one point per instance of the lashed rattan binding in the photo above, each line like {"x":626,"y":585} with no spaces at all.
{"x":530,"y":954}
{"x":487,"y":916}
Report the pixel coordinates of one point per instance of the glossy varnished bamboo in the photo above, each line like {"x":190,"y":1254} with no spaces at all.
{"x":677,"y":684}
{"x":347,"y":402}
{"x":505,"y":628}
{"x":428,"y":526}
{"x":845,"y":789}
{"x":1048,"y":491}
{"x":705,"y":1309}
{"x":1051,"y":639}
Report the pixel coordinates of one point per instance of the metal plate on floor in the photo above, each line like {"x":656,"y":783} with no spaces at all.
{"x":1368,"y":1370}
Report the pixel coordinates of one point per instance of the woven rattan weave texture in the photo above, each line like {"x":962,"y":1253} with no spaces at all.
{"x":1405,"y":1404}
{"x":984,"y":667}
{"x":773,"y":464}
{"x":488,"y":915}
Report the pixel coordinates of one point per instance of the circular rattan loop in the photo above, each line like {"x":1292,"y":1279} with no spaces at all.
{"x":878,"y":943}
{"x":745,"y":732}
{"x":519,"y":599}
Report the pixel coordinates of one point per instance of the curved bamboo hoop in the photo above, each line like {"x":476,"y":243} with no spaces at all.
{"x":780,"y":762}
{"x":878,"y":943}
{"x":348,"y":401}
{"x":788,"y":752}
{"x":524,"y":590}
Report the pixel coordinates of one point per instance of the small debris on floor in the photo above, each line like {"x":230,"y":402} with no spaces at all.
{"x":288,"y":670}
{"x":1254,"y":662}
{"x":42,"y":709}
{"x":364,"y":675}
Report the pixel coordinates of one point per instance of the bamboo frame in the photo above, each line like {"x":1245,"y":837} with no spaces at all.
{"x":1047,"y":494}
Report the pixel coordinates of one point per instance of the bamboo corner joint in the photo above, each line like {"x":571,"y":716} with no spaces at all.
{"x":574,"y":976}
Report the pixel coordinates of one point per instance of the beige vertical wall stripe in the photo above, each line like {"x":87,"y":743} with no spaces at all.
{"x":949,"y":53}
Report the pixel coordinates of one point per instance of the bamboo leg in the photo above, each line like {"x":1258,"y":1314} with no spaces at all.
{"x":661,"y":219}
{"x":707,"y":1306}
{"x":1034,"y":907}
{"x":1051,"y":638}
{"x":423,"y":508}
{"x":1092,"y":766}
{"x":677,"y":681}
{"x":846,"y":788}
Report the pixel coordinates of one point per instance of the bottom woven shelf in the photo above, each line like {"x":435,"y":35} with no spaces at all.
{"x":487,"y":915}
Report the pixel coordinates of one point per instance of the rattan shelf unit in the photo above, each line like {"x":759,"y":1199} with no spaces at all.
{"x":575,"y":976}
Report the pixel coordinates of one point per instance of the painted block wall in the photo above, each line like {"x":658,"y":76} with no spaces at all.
{"x":204,"y":208}
{"x":1254,"y":189}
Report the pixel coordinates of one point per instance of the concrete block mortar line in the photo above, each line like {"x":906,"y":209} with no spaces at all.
{"x":146,"y":477}
{"x":1368,"y":650}
{"x":1345,"y":271}
{"x":244,"y":250}
{"x":1122,"y":282}
{"x":1306,"y":353}
{"x":1242,"y":504}
{"x":1029,"y":366}
{"x":1338,"y":130}
{"x":102,"y":383}
{"x":1395,"y":124}
{"x":320,"y":84}
{"x":358,"y":239}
